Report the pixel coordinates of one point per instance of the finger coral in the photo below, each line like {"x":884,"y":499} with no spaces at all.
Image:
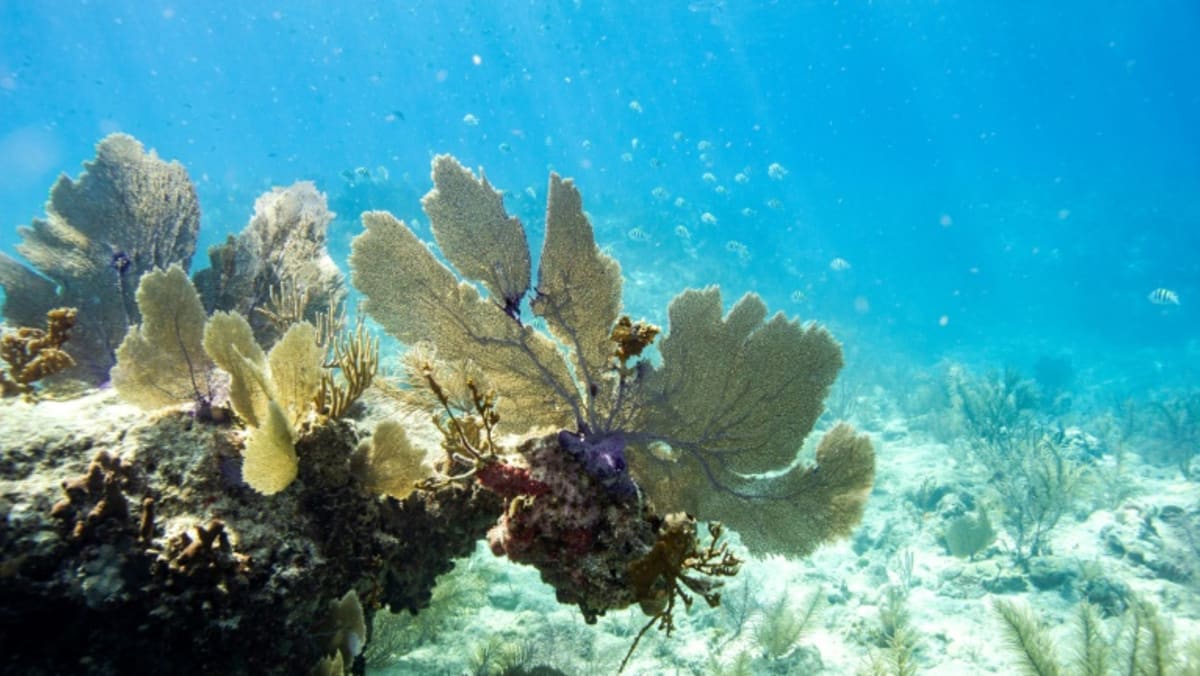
{"x":32,"y":354}
{"x":728,"y":407}
{"x":127,"y":214}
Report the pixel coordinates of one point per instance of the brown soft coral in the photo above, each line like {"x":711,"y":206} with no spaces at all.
{"x":32,"y":354}
{"x":96,"y":500}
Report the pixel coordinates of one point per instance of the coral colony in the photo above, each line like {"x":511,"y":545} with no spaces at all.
{"x":250,"y":520}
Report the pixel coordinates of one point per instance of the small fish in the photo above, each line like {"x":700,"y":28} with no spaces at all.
{"x":776,"y":171}
{"x":470,"y":120}
{"x":1161,"y":296}
{"x":742,"y":251}
{"x":708,"y":219}
{"x":839,"y":264}
{"x":798,"y":296}
{"x":682,"y":232}
{"x":774,"y":203}
{"x":638,"y":235}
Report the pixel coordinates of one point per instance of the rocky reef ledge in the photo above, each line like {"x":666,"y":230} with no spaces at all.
{"x":130,"y":543}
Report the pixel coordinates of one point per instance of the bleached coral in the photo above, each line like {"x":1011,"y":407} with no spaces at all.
{"x":284,"y":244}
{"x":127,"y":214}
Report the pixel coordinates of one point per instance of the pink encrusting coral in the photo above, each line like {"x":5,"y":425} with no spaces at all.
{"x":580,"y":535}
{"x":510,"y":481}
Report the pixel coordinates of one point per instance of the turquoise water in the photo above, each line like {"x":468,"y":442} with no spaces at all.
{"x":1028,"y":172}
{"x":991,"y":184}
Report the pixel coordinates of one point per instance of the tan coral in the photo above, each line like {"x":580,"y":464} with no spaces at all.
{"x":32,"y":354}
{"x":162,"y":361}
{"x":725,"y":413}
{"x":475,"y":233}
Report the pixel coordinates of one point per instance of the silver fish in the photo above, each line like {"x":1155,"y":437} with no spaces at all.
{"x":638,"y":235}
{"x":1161,"y":296}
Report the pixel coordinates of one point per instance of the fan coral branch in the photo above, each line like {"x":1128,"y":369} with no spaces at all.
{"x":732,"y":402}
{"x":128,"y":213}
{"x":478,"y":238}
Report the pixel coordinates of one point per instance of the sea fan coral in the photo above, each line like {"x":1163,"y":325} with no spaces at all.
{"x":733,"y":398}
{"x":129,"y":213}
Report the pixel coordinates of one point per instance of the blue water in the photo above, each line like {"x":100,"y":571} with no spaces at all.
{"x":1006,"y":180}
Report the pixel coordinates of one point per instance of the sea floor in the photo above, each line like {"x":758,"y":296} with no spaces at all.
{"x":1133,"y":535}
{"x":894,"y":572}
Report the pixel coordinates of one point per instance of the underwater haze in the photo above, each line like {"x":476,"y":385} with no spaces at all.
{"x":994,"y":207}
{"x":1028,"y":172}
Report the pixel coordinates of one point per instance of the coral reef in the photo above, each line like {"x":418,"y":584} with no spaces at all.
{"x":31,"y":354}
{"x":284,"y":244}
{"x":127,"y":214}
{"x":731,"y":402}
{"x":242,"y":524}
{"x":155,"y":557}
{"x":714,"y":431}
